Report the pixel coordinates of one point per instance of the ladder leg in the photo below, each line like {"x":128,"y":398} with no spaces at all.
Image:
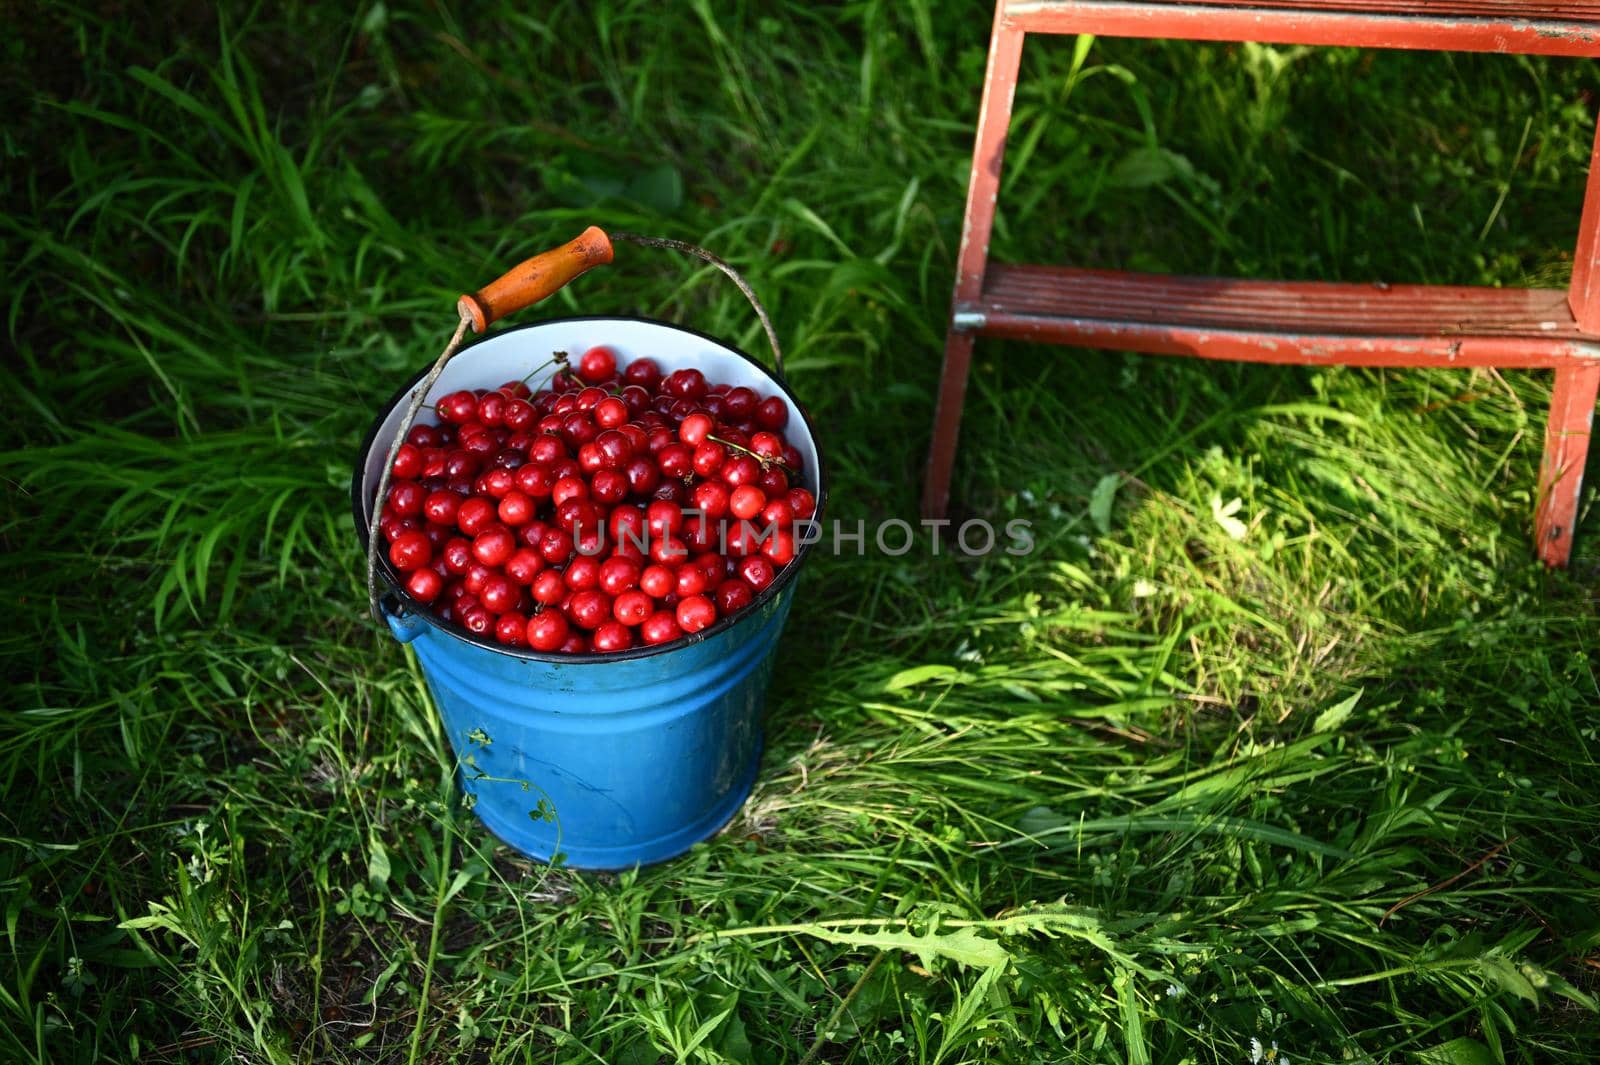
{"x":1566,"y":446}
{"x":994,"y":118}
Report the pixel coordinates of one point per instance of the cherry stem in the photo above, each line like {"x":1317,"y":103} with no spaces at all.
{"x":555,"y":357}
{"x":765,"y":462}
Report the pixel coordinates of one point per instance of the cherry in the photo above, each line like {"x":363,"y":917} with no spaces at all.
{"x":691,"y":581}
{"x":643,"y":476}
{"x":687,"y":383}
{"x":515,"y":508}
{"x":746,"y":501}
{"x":519,"y":415}
{"x":590,"y":609}
{"x":779,"y":547}
{"x":597,"y":364}
{"x":696,"y":613}
{"x":733,"y":595}
{"x":406,"y":497}
{"x":441,"y":506}
{"x":547,"y":449}
{"x":632,"y":607}
{"x":740,"y":469}
{"x":574,"y":644}
{"x":547,"y":630}
{"x":548,"y":587}
{"x":492,"y":409}
{"x":756,"y":571}
{"x":477,"y":621}
{"x":773,"y":413}
{"x":612,"y":636}
{"x":424,"y":585}
{"x":635,"y":398}
{"x":556,"y":546}
{"x":408,"y":461}
{"x":668,"y":550}
{"x":582,"y":573}
{"x":499,"y":594}
{"x":458,"y":407}
{"x":611,"y":412}
{"x":708,"y":458}
{"x":660,"y":627}
{"x":643,"y":372}
{"x":609,"y":487}
{"x":524,"y":565}
{"x":777,"y":512}
{"x":803,"y":503}
{"x":573,"y":487}
{"x":711,"y":499}
{"x":409,"y":551}
{"x":424,"y":436}
{"x":773,"y":481}
{"x":658,"y":581}
{"x":663,"y":519}
{"x":618,"y":575}
{"x":740,"y":403}
{"x":676,"y":461}
{"x":457,"y":554}
{"x":694,"y":429}
{"x":494,"y":545}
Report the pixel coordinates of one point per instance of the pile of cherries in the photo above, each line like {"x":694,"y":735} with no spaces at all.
{"x":604,"y":511}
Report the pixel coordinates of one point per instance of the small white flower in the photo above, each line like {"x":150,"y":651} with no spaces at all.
{"x":1269,"y":1056}
{"x":1256,"y":1052}
{"x":1176,"y":990}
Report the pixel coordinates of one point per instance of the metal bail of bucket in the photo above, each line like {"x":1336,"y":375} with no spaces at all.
{"x":606,"y":760}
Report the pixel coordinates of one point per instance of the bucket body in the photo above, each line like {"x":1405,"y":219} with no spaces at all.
{"x":607,"y":760}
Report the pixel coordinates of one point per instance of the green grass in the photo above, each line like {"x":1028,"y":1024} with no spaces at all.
{"x":1144,"y":795}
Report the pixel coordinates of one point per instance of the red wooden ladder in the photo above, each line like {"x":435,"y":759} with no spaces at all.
{"x":1298,"y":322}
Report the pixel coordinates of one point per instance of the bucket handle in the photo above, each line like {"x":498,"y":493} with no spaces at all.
{"x":522,"y":286}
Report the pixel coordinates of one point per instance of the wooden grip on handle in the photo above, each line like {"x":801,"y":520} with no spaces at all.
{"x":533,"y":279}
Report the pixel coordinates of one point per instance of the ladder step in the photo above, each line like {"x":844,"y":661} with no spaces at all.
{"x":1532,"y":27}
{"x":1277,"y":321}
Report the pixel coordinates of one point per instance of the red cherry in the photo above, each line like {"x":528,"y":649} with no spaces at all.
{"x":608,"y":487}
{"x":642,"y":476}
{"x":524,"y":565}
{"x":746,"y":501}
{"x":708,"y":458}
{"x":658,"y":581}
{"x":610,"y":413}
{"x":773,"y":481}
{"x":461,"y":463}
{"x":499,"y":595}
{"x":643,"y":372}
{"x":740,"y":469}
{"x":441,"y":507}
{"x":556,"y":546}
{"x":457,"y":554}
{"x":733,"y":595}
{"x":632,"y":608}
{"x":590,"y":458}
{"x":424,"y":585}
{"x":711,"y":499}
{"x":548,"y":587}
{"x":739,"y":538}
{"x":597,"y":364}
{"x":792,"y":459}
{"x":547,"y":630}
{"x":494,"y":545}
{"x":582,"y":573}
{"x":740,"y":403}
{"x":410,"y":551}
{"x":773,"y":413}
{"x":779,"y":547}
{"x":612,"y":636}
{"x":423,"y":437}
{"x":618,"y":575}
{"x":696,"y":613}
{"x":777,"y":512}
{"x":492,"y":409}
{"x":569,"y":488}
{"x":515,"y":508}
{"x":408,"y":460}
{"x":756,"y":571}
{"x":668,"y":550}
{"x":803,"y":503}
{"x":547,"y":449}
{"x":676,"y":460}
{"x":511,"y":629}
{"x":519,"y":415}
{"x":590,"y":609}
{"x":589,"y":398}
{"x":699,"y":533}
{"x":694,"y":429}
{"x":687,"y":383}
{"x":663,"y":518}
{"x":457,"y":407}
{"x":477,"y":621}
{"x":615,"y":449}
{"x":405,"y":498}
{"x":533,"y":480}
{"x":660,"y":627}
{"x":635,"y":398}
{"x":767,"y":445}
{"x":578,"y":428}
{"x":477,"y":574}
{"x":627,"y":528}
{"x":575,"y":644}
{"x":691,"y":581}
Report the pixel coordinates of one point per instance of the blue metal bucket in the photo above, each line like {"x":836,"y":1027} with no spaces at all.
{"x":607,"y":760}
